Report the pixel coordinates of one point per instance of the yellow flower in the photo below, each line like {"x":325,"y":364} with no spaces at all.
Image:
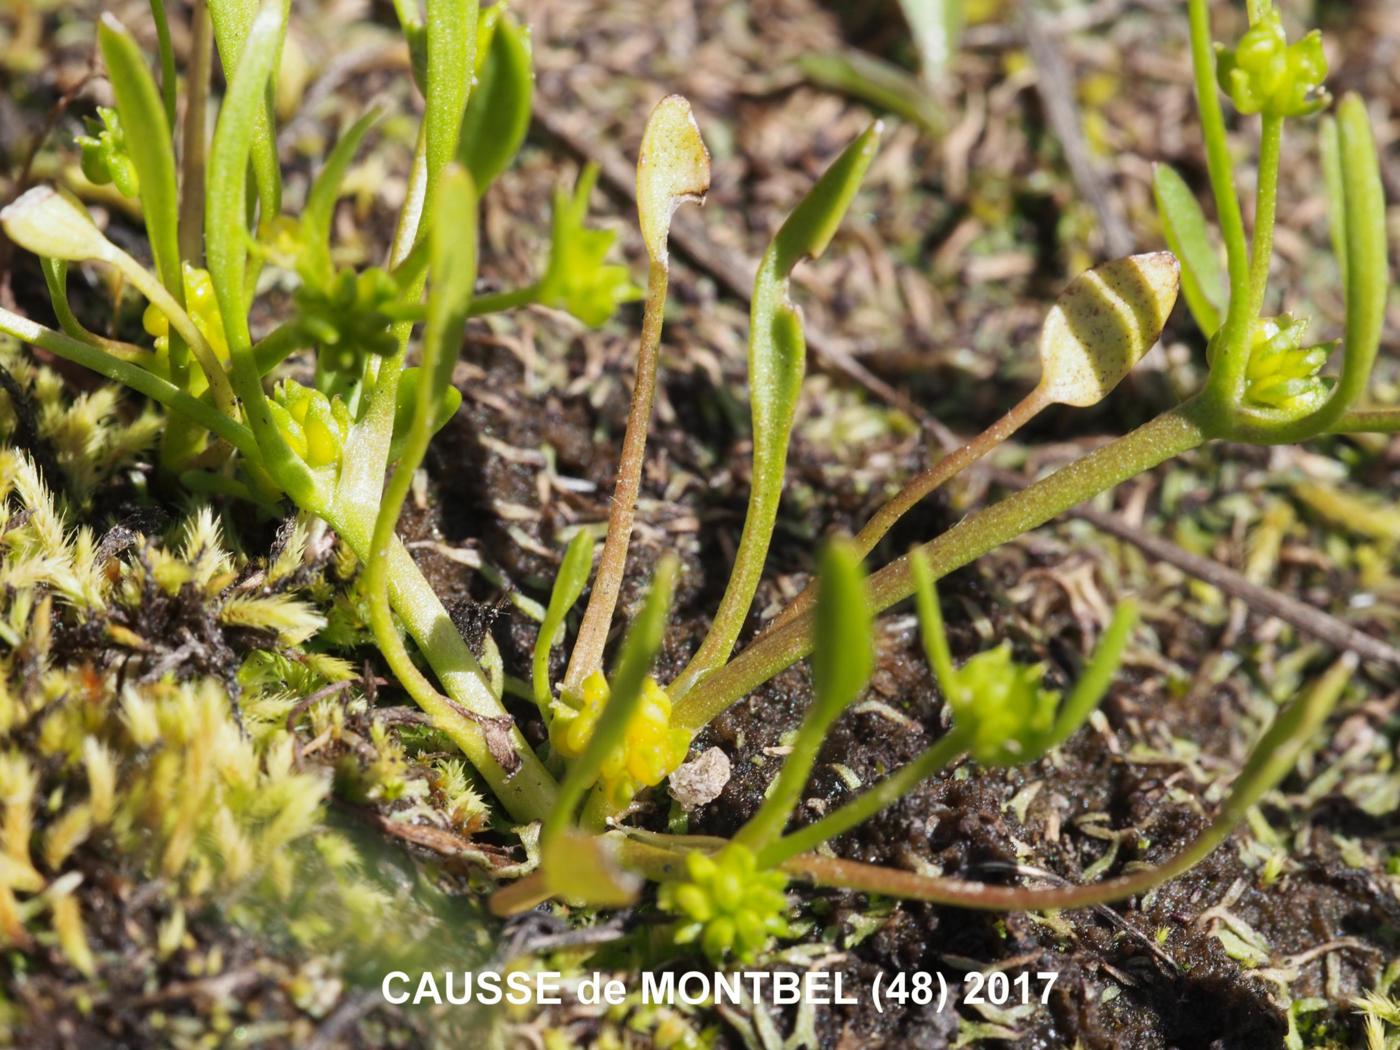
{"x":650,"y":747}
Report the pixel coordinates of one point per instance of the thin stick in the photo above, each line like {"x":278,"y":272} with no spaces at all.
{"x":587,"y":655}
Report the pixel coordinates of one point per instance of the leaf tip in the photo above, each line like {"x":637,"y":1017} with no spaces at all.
{"x":46,"y":222}
{"x":673,"y":167}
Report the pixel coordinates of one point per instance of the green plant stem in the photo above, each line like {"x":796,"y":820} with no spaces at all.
{"x":919,"y":487}
{"x":366,"y":458}
{"x":1265,"y":210}
{"x":1369,"y":421}
{"x":1217,"y":144}
{"x":528,"y":793}
{"x":180,"y":322}
{"x":167,"y":59}
{"x":275,"y":347}
{"x":1170,"y":434}
{"x":1271,"y":759}
{"x":866,"y":805}
{"x":587,"y":654}
{"x":124,"y":372}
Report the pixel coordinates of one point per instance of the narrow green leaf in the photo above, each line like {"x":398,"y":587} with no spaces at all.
{"x":167,"y":59}
{"x":233,"y":24}
{"x":56,"y":279}
{"x":1367,"y":265}
{"x":97,"y":360}
{"x":239,"y":129}
{"x":406,"y":410}
{"x":452,"y":243}
{"x":568,"y":586}
{"x":226,"y":238}
{"x":1098,"y":675}
{"x":843,"y":656}
{"x":149,"y":143}
{"x":1274,"y":755}
{"x":777,"y":362}
{"x":1184,"y":224}
{"x":935,"y":639}
{"x":639,"y":650}
{"x":498,"y":112}
{"x":812,"y":224}
{"x":316,"y":217}
{"x":1329,"y":145}
{"x":410,"y":16}
{"x":673,"y":166}
{"x":451,"y":43}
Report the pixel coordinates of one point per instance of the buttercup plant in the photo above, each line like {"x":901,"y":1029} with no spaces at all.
{"x":327,"y":449}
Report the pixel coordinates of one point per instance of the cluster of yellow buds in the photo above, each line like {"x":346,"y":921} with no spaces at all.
{"x":203,"y":307}
{"x":1265,"y":74}
{"x":1282,"y":373}
{"x":727,"y":903}
{"x":314,"y":425}
{"x":650,"y":749}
